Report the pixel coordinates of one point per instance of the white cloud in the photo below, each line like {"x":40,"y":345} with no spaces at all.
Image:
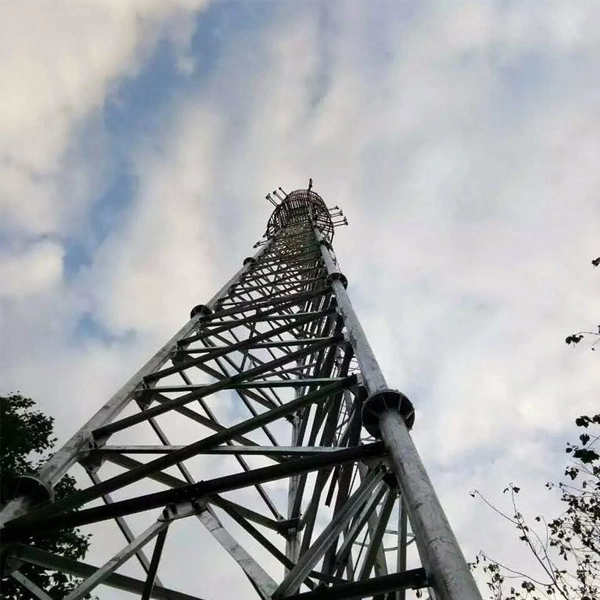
{"x":32,"y":271}
{"x":166,"y":248}
{"x":61,"y":60}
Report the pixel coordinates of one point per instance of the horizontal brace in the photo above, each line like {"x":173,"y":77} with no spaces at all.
{"x":232,"y":306}
{"x":413,"y":579}
{"x":286,"y":263}
{"x":299,"y":270}
{"x":47,"y":560}
{"x":224,"y":384}
{"x":278,"y":302}
{"x":276,"y":383}
{"x":258,"y":345}
{"x":282,"y":283}
{"x":312,"y":255}
{"x":295,"y":273}
{"x":284,"y":236}
{"x":260,"y":450}
{"x":29,"y":525}
{"x":260,"y":337}
{"x":164,"y":389}
{"x":268,"y":319}
{"x":283,"y":263}
{"x":293,"y":280}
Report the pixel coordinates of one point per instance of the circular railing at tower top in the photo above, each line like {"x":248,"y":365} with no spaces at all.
{"x":300,"y":206}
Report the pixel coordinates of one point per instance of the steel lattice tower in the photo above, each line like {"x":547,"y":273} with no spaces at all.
{"x":281,"y":346}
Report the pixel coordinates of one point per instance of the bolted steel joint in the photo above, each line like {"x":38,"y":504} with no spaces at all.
{"x":178,"y":356}
{"x":289,"y":527}
{"x":143,"y":395}
{"x":390,"y":479}
{"x":181,"y":510}
{"x":91,"y":460}
{"x":219,"y":305}
{"x":379,"y":403}
{"x":250,"y":260}
{"x":337,"y":277}
{"x":200,"y":309}
{"x":34,"y":489}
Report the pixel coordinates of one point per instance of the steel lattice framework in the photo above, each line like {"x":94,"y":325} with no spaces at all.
{"x":309,"y":409}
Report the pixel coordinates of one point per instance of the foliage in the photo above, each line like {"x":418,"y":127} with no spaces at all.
{"x":567,"y":548}
{"x":575,"y":338}
{"x":25,"y":440}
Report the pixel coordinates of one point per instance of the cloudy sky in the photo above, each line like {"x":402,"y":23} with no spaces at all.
{"x":138,"y":139}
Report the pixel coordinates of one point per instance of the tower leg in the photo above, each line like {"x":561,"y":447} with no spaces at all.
{"x":442,"y":558}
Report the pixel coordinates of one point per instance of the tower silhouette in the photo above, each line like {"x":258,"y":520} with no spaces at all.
{"x":274,"y":427}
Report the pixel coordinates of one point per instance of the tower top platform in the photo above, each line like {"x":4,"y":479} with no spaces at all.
{"x":300,"y":206}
